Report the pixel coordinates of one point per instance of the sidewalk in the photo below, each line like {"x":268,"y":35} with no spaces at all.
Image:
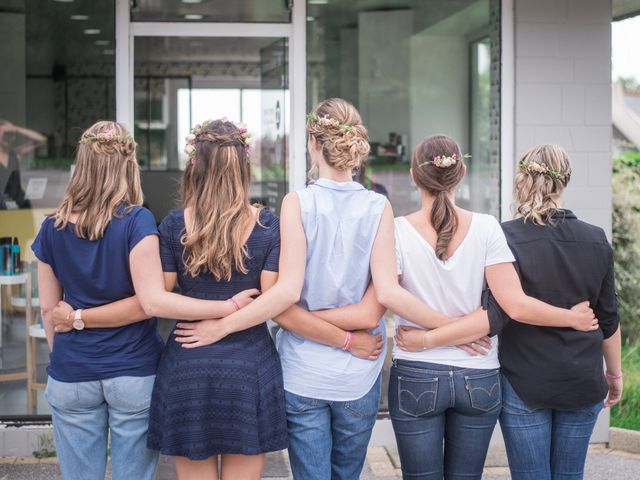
{"x":382,"y":464}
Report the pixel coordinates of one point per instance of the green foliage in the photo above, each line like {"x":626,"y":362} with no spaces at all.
{"x":46,"y":447}
{"x":627,"y":413}
{"x":626,"y":241}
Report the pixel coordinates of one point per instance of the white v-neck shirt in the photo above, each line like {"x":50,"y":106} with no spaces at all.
{"x":453,"y":287}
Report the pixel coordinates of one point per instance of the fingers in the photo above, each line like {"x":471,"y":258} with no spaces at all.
{"x":61,"y":329}
{"x":250,"y":292}
{"x":468,"y":349}
{"x":186,"y":326}
{"x":581,"y":305}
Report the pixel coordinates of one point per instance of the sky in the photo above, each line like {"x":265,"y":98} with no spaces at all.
{"x":626,"y":48}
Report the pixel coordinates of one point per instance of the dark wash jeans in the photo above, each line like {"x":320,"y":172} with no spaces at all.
{"x":443,"y":418}
{"x":543,"y":443}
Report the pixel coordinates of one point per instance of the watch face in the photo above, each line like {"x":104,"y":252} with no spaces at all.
{"x":78,"y":324}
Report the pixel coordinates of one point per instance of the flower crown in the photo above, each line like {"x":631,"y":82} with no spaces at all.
{"x":105,"y":137}
{"x":443,"y":161}
{"x":327,"y":121}
{"x":535,"y":167}
{"x":190,"y":147}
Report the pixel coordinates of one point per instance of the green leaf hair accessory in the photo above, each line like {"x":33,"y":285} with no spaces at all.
{"x":442,"y":161}
{"x":327,"y":121}
{"x":535,"y":167}
{"x":105,"y":137}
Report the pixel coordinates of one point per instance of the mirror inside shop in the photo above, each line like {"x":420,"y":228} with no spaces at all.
{"x":434,"y":70}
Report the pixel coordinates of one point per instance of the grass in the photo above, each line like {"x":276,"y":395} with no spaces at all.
{"x":627,"y":413}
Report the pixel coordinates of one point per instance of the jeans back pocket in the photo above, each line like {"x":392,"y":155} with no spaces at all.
{"x":484,"y":390}
{"x":417,"y":397}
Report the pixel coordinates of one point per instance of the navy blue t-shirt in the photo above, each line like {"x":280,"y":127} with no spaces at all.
{"x":94,"y":273}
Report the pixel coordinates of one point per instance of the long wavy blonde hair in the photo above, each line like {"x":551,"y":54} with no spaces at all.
{"x":538,"y":189}
{"x":343,"y":149}
{"x":215,"y":187}
{"x":106,"y":179}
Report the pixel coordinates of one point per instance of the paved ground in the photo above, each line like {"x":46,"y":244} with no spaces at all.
{"x":382,"y":464}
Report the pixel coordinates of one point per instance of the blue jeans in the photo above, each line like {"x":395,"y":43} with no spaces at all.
{"x":543,"y":443}
{"x":328,"y":440}
{"x":85,"y":414}
{"x":443,"y":418}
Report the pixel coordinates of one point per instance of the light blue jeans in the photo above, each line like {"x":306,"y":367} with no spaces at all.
{"x":543,"y":443}
{"x":86,"y":414}
{"x":328,"y":440}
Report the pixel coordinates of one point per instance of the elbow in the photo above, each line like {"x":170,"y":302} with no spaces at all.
{"x":385,"y":298}
{"x":516,"y":312}
{"x":149,"y":307}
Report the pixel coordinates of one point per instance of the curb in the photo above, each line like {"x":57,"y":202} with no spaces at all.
{"x":624,"y":440}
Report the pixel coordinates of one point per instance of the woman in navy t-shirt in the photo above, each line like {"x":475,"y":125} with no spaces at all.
{"x":99,"y":247}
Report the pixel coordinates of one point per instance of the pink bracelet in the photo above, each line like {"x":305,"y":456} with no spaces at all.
{"x":613,"y":376}
{"x":235,"y":304}
{"x":347,"y":341}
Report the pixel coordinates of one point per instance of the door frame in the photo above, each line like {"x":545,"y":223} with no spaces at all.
{"x":295,"y":32}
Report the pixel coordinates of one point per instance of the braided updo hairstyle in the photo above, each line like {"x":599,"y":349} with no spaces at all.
{"x":439,"y":182}
{"x":105,"y":179}
{"x":342,"y":148}
{"x":215,"y":187}
{"x":537,"y":192}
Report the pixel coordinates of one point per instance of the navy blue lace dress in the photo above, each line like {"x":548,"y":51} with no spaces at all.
{"x":226,"y":397}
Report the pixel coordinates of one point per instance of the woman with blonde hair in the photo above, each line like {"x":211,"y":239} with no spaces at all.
{"x":101,"y":246}
{"x":553,"y":380}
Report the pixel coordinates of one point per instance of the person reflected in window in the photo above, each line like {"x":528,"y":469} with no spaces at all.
{"x":12,"y":152}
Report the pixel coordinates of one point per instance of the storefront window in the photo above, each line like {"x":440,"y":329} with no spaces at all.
{"x":181,"y":81}
{"x":429,"y":72}
{"x":57,"y":78}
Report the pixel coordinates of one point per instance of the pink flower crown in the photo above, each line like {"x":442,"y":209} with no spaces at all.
{"x":443,"y":161}
{"x":190,"y":148}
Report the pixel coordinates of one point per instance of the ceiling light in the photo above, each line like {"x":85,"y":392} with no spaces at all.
{"x":79,"y":17}
{"x":310,"y":19}
{"x":92,"y":31}
{"x":191,"y":1}
{"x":318,"y":2}
{"x":193,"y":16}
{"x":102,"y":43}
{"x":63,"y":1}
{"x":109,"y":51}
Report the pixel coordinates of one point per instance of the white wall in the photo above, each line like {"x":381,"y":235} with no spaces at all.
{"x":563,"y":93}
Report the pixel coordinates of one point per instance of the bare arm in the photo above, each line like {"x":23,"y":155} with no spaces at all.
{"x":116,"y":314}
{"x":50,"y":293}
{"x":612,"y":347}
{"x":285,"y":292}
{"x":363,"y":315}
{"x":506,"y":287}
{"x":385,"y":279}
{"x":467,"y":329}
{"x":149,"y":284}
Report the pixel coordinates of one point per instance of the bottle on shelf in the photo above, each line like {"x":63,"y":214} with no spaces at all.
{"x":15,"y":257}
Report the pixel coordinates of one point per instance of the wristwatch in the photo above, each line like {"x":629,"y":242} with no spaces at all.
{"x":78,"y":324}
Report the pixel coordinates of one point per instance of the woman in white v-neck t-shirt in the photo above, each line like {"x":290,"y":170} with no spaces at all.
{"x":443,"y":402}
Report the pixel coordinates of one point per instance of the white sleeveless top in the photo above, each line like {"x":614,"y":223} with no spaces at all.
{"x":453,"y":287}
{"x":340,"y":222}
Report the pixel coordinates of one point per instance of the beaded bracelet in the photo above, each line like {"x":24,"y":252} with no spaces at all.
{"x":613,"y":376}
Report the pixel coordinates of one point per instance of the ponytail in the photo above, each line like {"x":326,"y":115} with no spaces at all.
{"x":445,"y":223}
